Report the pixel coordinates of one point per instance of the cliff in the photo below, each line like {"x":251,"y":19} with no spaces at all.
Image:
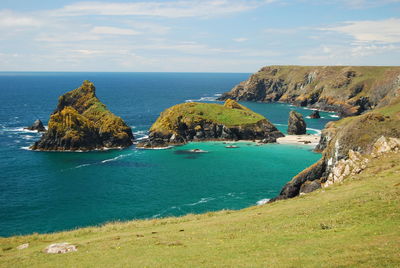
{"x":82,"y":122}
{"x":345,"y":146}
{"x":348,"y":90}
{"x":195,"y":121}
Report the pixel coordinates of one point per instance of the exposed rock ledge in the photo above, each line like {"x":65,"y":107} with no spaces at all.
{"x":347,"y":90}
{"x":195,"y":121}
{"x":345,"y":146}
{"x":81,"y":122}
{"x":357,"y":162}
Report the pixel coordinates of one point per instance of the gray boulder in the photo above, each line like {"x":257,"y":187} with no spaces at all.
{"x":38,"y":126}
{"x":296,"y":124}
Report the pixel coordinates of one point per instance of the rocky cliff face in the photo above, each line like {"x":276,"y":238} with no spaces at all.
{"x":296,"y":124}
{"x":205,"y":121}
{"x":82,"y":122}
{"x":348,"y":90}
{"x":345,"y":145}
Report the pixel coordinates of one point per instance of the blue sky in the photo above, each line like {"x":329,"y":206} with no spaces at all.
{"x":196,"y":36}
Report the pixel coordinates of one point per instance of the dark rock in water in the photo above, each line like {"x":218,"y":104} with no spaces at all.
{"x":296,"y":125}
{"x":37,"y":125}
{"x":315,"y":115}
{"x":187,"y":122}
{"x":82,"y":122}
{"x":292,"y":188}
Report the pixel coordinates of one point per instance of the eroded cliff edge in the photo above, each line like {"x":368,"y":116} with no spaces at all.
{"x":348,"y":90}
{"x":196,"y":121}
{"x":81,"y":122}
{"x":346,"y":145}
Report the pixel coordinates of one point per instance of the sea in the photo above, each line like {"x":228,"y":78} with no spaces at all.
{"x":43,"y":192}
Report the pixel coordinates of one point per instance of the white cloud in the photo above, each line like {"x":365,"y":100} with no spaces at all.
{"x":240,"y":39}
{"x":360,"y":4}
{"x":113,"y":30}
{"x":66,"y":37}
{"x":11,"y":19}
{"x":382,"y":31}
{"x":175,"y":9}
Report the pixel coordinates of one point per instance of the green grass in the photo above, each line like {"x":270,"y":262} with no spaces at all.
{"x":351,"y":225}
{"x":332,"y":83}
{"x":193,"y":112}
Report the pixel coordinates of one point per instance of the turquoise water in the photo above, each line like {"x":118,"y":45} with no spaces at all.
{"x":49,"y":191}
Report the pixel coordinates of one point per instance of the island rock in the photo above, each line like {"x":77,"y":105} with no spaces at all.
{"x":37,"y":125}
{"x":315,"y":115}
{"x":195,"y":121}
{"x":82,"y":122}
{"x":296,"y":124}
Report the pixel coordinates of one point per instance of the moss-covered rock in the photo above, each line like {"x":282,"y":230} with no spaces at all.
{"x":82,"y":122}
{"x":348,"y":90}
{"x":209,"y":121}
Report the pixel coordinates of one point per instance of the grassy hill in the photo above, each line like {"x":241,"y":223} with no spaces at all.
{"x":190,"y":113}
{"x":349,"y":90}
{"x":186,"y":122}
{"x":355,"y":224}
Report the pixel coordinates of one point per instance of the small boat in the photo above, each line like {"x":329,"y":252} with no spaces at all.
{"x":231,"y":146}
{"x":197,"y":151}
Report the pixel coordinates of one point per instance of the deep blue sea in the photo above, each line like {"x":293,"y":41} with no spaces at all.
{"x":51,"y":191}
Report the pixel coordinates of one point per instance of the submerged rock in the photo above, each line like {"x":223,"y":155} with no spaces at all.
{"x":37,"y":125}
{"x":82,"y":122}
{"x":315,"y":115}
{"x":194,"y":121}
{"x":60,"y":248}
{"x":296,"y":124}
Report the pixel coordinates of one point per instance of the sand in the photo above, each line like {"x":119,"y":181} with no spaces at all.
{"x":307,"y":139}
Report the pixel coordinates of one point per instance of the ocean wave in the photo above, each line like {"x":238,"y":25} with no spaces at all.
{"x":26,"y":148}
{"x":115,"y":158}
{"x":142,"y":138}
{"x":201,"y":201}
{"x":155,"y":148}
{"x":334,"y":115}
{"x":316,"y":130}
{"x":218,"y":94}
{"x":18,"y":130}
{"x":213,"y":98}
{"x":28,"y":137}
{"x":262,"y":201}
{"x":83,"y":165}
{"x":140,"y":132}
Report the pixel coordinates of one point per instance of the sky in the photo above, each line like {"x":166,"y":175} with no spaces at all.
{"x":196,"y":35}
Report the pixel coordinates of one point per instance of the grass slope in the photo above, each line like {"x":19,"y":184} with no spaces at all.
{"x":355,"y":224}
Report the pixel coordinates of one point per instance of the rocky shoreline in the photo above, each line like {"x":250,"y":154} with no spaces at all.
{"x":347,"y":90}
{"x":82,"y":123}
{"x":187,"y":122}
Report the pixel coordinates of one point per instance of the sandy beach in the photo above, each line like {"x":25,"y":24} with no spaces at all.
{"x":307,"y":139}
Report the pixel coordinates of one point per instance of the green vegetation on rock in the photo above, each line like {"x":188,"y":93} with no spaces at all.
{"x":351,"y":225}
{"x":349,"y":90}
{"x":209,"y":121}
{"x":193,"y":112}
{"x":82,"y":122}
